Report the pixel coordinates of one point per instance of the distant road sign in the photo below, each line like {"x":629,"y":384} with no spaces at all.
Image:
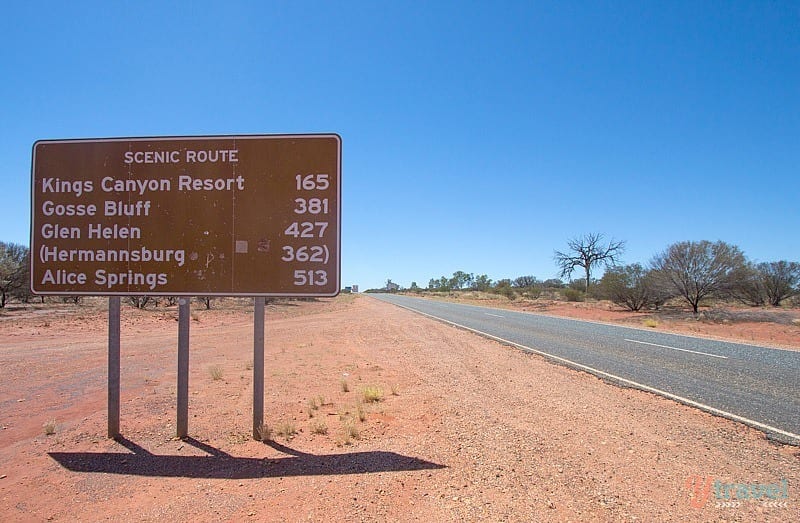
{"x":214,"y":216}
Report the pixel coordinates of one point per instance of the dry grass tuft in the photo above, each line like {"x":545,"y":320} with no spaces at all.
{"x":351,"y":430}
{"x":372,"y":394}
{"x":360,"y":413}
{"x":286,"y":429}
{"x":319,"y":427}
{"x":344,"y":386}
{"x":50,"y":427}
{"x":311,"y":406}
{"x":650,"y":322}
{"x":264,"y":432}
{"x":215,"y":371}
{"x":348,"y":434}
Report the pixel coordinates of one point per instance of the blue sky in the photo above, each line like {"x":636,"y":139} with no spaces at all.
{"x":477,"y":136}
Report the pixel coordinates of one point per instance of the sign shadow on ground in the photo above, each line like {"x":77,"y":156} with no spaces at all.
{"x":221,"y":465}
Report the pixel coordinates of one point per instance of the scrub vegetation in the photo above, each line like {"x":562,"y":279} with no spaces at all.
{"x":695,"y":273}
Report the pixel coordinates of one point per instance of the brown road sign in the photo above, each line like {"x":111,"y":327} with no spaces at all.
{"x":216,"y":215}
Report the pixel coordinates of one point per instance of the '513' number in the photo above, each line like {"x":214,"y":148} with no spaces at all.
{"x":310,"y":277}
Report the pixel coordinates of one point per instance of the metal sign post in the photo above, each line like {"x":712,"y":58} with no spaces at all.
{"x":113,"y":366}
{"x":183,"y":367}
{"x":258,"y":368}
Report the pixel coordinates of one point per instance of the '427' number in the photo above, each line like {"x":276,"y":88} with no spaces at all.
{"x":306,"y":229}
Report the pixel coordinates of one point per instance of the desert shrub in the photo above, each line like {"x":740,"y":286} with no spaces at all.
{"x":574,"y":295}
{"x":553,"y":283}
{"x":532,"y":292}
{"x":508,"y":292}
{"x":627,"y":285}
{"x":578,"y":284}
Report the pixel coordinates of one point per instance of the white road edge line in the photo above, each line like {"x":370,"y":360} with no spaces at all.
{"x":679,"y":399}
{"x":617,"y":325}
{"x":676,"y":348}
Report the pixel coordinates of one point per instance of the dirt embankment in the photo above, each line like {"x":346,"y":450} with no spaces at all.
{"x":466,"y":429}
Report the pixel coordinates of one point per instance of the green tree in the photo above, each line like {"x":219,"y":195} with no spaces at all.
{"x":503,"y":287}
{"x":483,"y":282}
{"x":505,"y":282}
{"x":460,"y":280}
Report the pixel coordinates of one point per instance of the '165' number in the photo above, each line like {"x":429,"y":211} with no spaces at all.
{"x":309,"y":182}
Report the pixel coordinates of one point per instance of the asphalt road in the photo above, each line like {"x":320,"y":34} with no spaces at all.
{"x":759,"y":386}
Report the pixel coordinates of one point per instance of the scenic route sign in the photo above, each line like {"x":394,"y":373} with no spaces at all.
{"x":208,"y":216}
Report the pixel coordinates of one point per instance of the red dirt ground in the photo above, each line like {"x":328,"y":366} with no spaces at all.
{"x":467,"y":429}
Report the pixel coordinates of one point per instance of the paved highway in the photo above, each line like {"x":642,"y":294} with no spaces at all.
{"x":756,"y":385}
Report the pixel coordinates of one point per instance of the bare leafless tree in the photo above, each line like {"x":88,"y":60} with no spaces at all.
{"x":140,"y":302}
{"x":206,"y":301}
{"x":588,"y":251}
{"x":525,"y":281}
{"x":748,"y":286}
{"x":13,"y":269}
{"x":780,"y":280}
{"x":698,"y":270}
{"x":171,"y":300}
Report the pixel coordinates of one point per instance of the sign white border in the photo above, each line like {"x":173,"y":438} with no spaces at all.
{"x":338,"y":270}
